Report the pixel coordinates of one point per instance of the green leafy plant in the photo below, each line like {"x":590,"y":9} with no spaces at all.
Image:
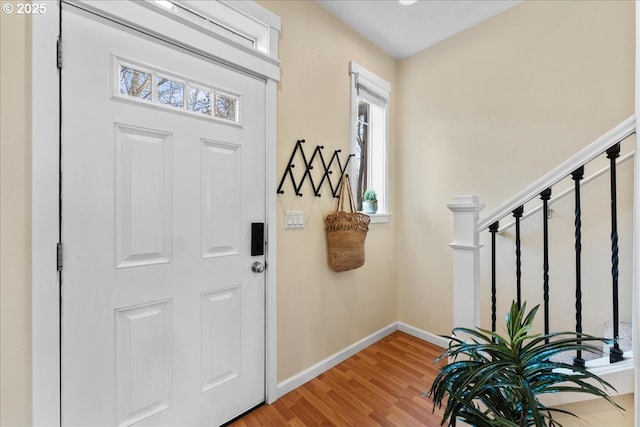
{"x":370,"y":196}
{"x":495,"y":381}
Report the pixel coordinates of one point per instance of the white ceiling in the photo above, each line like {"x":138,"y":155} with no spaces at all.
{"x":404,"y":30}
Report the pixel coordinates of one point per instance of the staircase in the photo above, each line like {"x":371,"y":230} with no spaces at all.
{"x":546,"y":245}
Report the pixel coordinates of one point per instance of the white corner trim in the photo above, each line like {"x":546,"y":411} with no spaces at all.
{"x":310,"y":373}
{"x":423,"y":335}
{"x":271,"y":317}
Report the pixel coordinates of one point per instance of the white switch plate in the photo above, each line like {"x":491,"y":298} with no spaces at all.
{"x":293,"y":219}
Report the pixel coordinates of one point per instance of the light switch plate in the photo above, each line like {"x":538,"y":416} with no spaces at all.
{"x":293,"y":219}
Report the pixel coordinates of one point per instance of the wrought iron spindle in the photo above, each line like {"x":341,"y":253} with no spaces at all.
{"x":517,"y":214}
{"x":493,"y":229}
{"x":615,"y":353}
{"x":545,"y":196}
{"x":577,"y":176}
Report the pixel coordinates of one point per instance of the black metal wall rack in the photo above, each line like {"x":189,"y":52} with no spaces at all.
{"x":326,"y":169}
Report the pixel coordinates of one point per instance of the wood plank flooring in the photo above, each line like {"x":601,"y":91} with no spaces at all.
{"x":382,"y":385}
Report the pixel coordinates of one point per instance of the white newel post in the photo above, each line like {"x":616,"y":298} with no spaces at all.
{"x":466,"y":259}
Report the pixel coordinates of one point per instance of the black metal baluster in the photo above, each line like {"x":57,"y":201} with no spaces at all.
{"x":615,"y":353}
{"x":545,"y":196}
{"x":493,"y":228}
{"x":517,"y":214}
{"x":577,"y":176}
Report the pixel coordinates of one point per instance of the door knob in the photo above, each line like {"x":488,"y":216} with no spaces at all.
{"x":257,"y":267}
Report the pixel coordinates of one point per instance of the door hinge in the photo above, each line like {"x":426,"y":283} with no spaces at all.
{"x":59,"y":256}
{"x":59,"y":53}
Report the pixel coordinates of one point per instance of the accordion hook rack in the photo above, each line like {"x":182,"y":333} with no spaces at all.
{"x":322,"y":177}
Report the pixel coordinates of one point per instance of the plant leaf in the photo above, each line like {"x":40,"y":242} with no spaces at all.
{"x":495,"y":380}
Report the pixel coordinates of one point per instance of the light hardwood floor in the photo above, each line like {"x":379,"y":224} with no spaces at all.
{"x":382,"y":385}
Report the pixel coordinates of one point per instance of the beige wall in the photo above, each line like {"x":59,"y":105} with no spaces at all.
{"x":321,"y":312}
{"x":598,"y":413}
{"x":15,"y":220}
{"x":487,"y":112}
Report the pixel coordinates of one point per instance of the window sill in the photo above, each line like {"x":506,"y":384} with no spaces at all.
{"x":379,"y":217}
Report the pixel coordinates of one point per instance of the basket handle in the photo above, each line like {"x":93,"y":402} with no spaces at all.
{"x":345,"y":185}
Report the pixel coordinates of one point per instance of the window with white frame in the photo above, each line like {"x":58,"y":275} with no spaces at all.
{"x":369,"y":130}
{"x":143,"y":84}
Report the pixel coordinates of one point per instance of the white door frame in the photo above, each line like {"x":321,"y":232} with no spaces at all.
{"x":45,"y":186}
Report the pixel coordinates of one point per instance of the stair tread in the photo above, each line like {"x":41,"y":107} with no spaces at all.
{"x":625,"y":343}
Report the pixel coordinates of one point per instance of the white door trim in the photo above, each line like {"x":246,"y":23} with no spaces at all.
{"x":45,"y":182}
{"x":45,"y":227}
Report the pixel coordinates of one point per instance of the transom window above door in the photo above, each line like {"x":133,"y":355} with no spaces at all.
{"x":155,"y":86}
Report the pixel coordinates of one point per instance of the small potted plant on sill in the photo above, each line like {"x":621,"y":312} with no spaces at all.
{"x":370,"y":202}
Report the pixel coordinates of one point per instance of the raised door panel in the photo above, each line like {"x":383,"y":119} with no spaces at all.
{"x":221,"y":337}
{"x":143,"y":349}
{"x":142,"y":196}
{"x":221,"y":191}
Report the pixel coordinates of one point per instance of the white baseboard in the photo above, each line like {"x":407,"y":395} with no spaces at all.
{"x":310,"y":373}
{"x":619,"y":375}
{"x":423,"y":335}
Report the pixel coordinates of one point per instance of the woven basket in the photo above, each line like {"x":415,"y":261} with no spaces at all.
{"x":346,"y":232}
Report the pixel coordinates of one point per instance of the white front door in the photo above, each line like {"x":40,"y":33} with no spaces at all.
{"x":163,"y":157}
